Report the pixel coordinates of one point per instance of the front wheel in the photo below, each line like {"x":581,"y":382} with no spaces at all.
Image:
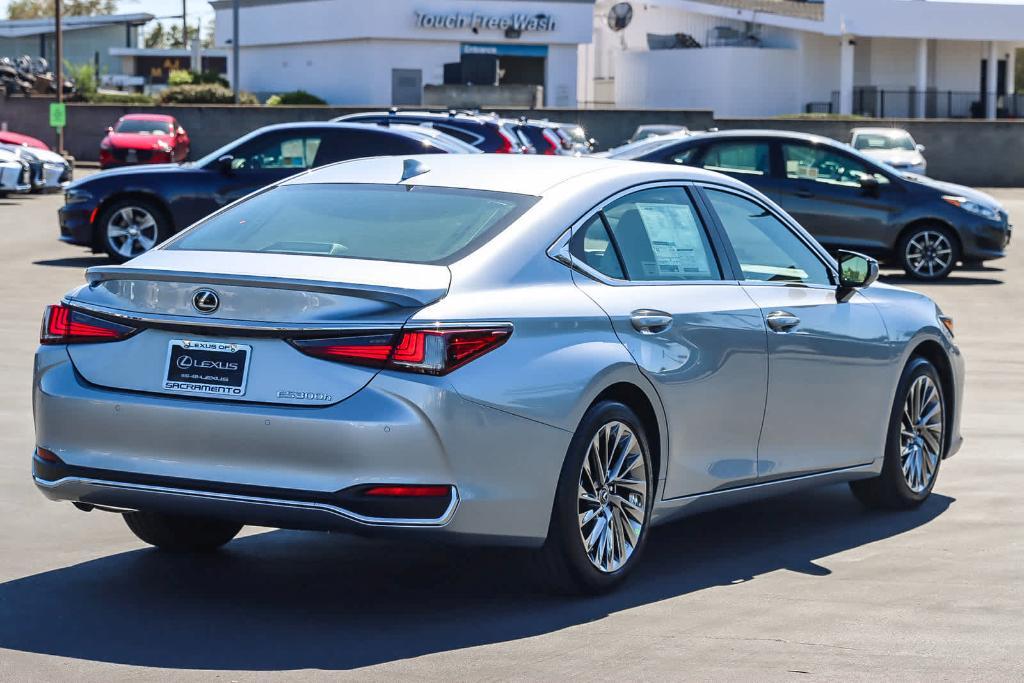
{"x":179,"y":533}
{"x":929,"y":252}
{"x":915,"y":444}
{"x":130,"y":227}
{"x":602,"y":504}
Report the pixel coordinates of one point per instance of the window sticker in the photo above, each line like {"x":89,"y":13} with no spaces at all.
{"x":676,"y":242}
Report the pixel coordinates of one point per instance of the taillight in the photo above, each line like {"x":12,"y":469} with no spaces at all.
{"x":64,"y":325}
{"x":552,"y":140}
{"x":408,"y":491}
{"x":434,"y":351}
{"x":509,"y":145}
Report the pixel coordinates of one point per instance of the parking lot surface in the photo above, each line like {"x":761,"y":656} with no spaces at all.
{"x":803,"y":584}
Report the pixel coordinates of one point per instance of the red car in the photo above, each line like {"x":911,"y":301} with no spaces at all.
{"x":144,"y":139}
{"x":8,"y":137}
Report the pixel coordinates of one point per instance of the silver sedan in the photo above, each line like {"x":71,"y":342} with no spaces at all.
{"x":547,"y":352}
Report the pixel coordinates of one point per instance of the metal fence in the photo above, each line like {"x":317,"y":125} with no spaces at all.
{"x":938,"y":104}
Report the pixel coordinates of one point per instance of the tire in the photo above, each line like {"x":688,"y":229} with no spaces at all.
{"x":929,"y":252}
{"x":912,"y":457}
{"x":129,"y":227}
{"x":181,"y":534}
{"x":564,"y":563}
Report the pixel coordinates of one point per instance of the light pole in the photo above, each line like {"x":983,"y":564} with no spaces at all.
{"x":58,"y":49}
{"x":234,"y":46}
{"x":184,"y":24}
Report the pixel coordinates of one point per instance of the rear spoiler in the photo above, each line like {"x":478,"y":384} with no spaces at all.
{"x":400,"y":296}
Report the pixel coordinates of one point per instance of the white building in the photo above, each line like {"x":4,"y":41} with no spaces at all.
{"x":384,"y":52}
{"x":766,"y":57}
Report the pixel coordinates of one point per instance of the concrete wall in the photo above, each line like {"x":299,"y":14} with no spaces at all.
{"x":970,"y":152}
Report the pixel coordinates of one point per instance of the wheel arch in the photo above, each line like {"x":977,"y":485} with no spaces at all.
{"x":651,"y":417}
{"x":107,"y":202}
{"x":933,"y":352}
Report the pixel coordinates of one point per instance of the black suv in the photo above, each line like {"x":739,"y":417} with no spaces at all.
{"x":127,"y":211}
{"x":486,"y":132}
{"x":847,"y":200}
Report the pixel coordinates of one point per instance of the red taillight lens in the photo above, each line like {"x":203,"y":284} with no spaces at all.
{"x":553,"y":142}
{"x":509,"y":145}
{"x":409,"y":491}
{"x":64,"y":325}
{"x":435,"y":351}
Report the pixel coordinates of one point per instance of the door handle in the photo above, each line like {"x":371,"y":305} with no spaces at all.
{"x":804,"y":194}
{"x":648,"y":321}
{"x":782,"y":321}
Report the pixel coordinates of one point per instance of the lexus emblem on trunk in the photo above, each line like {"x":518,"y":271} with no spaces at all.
{"x":205,"y":301}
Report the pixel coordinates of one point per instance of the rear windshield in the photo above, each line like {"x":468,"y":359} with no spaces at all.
{"x":144,"y":127}
{"x":410,"y":224}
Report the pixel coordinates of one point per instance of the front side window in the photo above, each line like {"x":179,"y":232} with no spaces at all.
{"x":382,"y":222}
{"x":293,"y":152}
{"x":659,"y":237}
{"x":768,"y":251}
{"x":744,"y":158}
{"x":824,"y":165}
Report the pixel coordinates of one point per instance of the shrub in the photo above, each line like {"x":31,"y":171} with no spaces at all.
{"x":84,"y":78}
{"x":202,"y":94}
{"x":179,"y":77}
{"x":122,"y":98}
{"x":295,"y":97}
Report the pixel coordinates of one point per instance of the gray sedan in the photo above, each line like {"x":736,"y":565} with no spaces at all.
{"x":546,"y":352}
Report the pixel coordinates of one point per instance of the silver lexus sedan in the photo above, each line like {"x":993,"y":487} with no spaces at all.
{"x":548,"y":352}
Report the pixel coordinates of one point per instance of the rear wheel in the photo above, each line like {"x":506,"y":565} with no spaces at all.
{"x":130,"y":227}
{"x":915,"y":444}
{"x":181,"y":534}
{"x":929,"y":252}
{"x":602,"y":505}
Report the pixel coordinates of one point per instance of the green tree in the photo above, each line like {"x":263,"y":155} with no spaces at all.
{"x":38,"y":9}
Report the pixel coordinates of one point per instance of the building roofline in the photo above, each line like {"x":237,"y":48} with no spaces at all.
{"x":20,"y":28}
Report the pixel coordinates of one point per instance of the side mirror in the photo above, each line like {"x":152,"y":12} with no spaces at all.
{"x":870,"y":185}
{"x":181,"y":132}
{"x":110,"y":129}
{"x":921,"y":148}
{"x":226,"y":164}
{"x":855,"y":271}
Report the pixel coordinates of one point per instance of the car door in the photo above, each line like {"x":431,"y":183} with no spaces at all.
{"x":838,"y":198}
{"x":647,"y":259}
{"x":256,"y":163}
{"x":828,"y":359}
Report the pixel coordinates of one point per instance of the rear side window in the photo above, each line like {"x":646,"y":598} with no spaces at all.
{"x":744,"y":158}
{"x":382,"y":222}
{"x":592,"y":245}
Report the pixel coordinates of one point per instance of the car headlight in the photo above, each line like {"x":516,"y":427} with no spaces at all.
{"x":972,"y":207}
{"x":74,"y":196}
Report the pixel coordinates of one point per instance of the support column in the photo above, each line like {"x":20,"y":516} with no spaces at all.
{"x":922,"y":78}
{"x":846,"y":48}
{"x":991,"y":81}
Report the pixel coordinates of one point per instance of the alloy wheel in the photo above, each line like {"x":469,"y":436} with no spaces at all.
{"x":612,"y":499}
{"x":929,"y":253}
{"x":131,"y":231}
{"x":921,"y":433}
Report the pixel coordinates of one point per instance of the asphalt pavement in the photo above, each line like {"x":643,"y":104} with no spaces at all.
{"x":803,"y":586}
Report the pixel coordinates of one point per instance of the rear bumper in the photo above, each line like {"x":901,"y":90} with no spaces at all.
{"x":290,"y":467}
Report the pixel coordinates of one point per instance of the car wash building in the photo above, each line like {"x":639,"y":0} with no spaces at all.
{"x":407,"y":52}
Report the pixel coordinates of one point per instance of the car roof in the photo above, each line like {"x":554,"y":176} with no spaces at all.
{"x":878,"y":130}
{"x":433,"y":115}
{"x":519,"y":174}
{"x":148,"y":117}
{"x":758,"y":133}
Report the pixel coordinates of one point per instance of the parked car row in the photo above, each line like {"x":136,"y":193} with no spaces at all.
{"x":31,"y":169}
{"x":861,"y":196}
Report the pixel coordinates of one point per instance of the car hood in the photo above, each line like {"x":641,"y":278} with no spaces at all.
{"x":47,"y":156}
{"x":126,"y":174}
{"x":139,"y":141}
{"x":895,"y":157}
{"x":954,"y":189}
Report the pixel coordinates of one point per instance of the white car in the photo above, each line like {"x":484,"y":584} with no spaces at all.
{"x":892,"y":146}
{"x":48,"y":170}
{"x":15,"y":174}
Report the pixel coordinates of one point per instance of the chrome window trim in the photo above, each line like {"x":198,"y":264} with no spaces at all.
{"x":336,"y":510}
{"x":559,"y":249}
